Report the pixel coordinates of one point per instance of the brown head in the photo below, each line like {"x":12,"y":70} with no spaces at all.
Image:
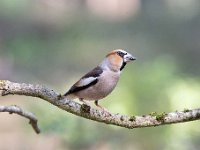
{"x":118,"y":58}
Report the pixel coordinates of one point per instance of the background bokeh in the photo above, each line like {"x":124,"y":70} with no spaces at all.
{"x":54,"y":42}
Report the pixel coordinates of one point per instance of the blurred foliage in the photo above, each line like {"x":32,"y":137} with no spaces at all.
{"x":55,"y":42}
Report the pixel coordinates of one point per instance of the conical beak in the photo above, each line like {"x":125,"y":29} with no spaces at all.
{"x":129,"y":57}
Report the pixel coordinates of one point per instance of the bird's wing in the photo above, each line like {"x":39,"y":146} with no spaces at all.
{"x":89,"y":79}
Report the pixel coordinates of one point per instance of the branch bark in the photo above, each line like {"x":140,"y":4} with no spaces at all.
{"x":153,"y":119}
{"x":17,"y":110}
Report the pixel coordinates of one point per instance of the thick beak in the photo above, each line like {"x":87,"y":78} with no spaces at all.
{"x":128,"y":57}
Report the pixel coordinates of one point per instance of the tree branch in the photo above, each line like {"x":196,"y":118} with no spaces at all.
{"x":17,"y":110}
{"x":153,"y":119}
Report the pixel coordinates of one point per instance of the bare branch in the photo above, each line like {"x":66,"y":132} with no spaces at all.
{"x":153,"y":119}
{"x":17,"y":110}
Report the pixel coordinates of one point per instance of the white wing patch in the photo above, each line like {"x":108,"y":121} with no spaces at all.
{"x":86,"y":81}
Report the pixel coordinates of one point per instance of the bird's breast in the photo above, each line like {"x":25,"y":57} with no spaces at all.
{"x":105,"y":85}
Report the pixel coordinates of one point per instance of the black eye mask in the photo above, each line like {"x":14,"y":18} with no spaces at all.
{"x":121,"y":54}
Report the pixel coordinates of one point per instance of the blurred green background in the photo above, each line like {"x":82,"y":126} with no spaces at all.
{"x":54,"y":42}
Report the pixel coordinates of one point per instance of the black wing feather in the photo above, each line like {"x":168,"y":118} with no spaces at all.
{"x":94,"y":73}
{"x":79,"y":88}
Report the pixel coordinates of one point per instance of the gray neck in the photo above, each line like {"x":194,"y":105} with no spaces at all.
{"x":106,"y":65}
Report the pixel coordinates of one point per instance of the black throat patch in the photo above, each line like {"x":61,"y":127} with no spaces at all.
{"x":123,"y":65}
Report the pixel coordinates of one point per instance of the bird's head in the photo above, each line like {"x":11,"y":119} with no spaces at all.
{"x":117,"y":59}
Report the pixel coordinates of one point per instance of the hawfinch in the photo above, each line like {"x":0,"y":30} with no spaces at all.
{"x":100,"y":82}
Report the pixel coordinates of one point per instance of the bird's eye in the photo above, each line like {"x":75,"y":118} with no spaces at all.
{"x":121,"y":54}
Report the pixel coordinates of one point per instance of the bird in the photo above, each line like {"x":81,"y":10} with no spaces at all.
{"x":100,"y":82}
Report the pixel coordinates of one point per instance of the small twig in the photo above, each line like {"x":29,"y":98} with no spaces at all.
{"x":17,"y":110}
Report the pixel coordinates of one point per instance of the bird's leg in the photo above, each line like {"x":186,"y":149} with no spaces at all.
{"x":102,"y":108}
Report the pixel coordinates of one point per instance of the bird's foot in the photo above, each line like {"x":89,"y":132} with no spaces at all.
{"x":102,"y":108}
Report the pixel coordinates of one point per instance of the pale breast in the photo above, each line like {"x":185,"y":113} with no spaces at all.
{"x":102,"y":88}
